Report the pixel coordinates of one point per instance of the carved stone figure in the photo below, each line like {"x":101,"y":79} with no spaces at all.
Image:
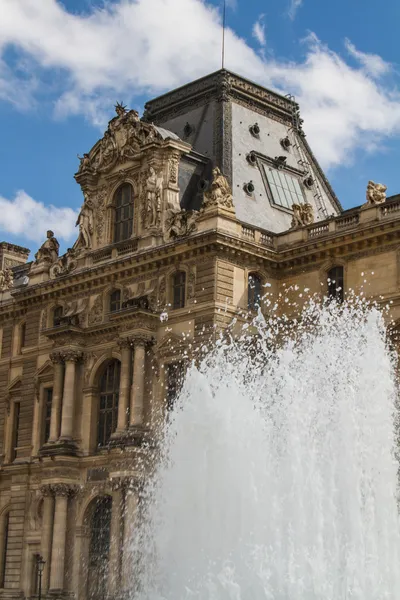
{"x":219,"y":193}
{"x":151,"y":213}
{"x":6,"y":280}
{"x":48,"y":251}
{"x":303,"y":214}
{"x":376,"y":193}
{"x":85,"y":164}
{"x":180,"y":223}
{"x":85,"y":222}
{"x":65,"y":264}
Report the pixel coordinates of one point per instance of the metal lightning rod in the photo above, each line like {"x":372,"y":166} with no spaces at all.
{"x":223,"y":33}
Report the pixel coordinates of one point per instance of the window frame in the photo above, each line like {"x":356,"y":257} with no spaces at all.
{"x":335,"y":291}
{"x":300,"y":198}
{"x":58,"y":312}
{"x":16,"y":418}
{"x":180,"y":287}
{"x":117,"y":303}
{"x":120,"y":219}
{"x":4,"y":548}
{"x":105,"y":429}
{"x":252,"y":303}
{"x":46,"y":419}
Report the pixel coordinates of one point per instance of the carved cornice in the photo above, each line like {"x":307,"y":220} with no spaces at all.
{"x":127,"y":483}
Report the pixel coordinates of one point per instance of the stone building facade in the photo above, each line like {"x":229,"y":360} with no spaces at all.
{"x":187,"y":213}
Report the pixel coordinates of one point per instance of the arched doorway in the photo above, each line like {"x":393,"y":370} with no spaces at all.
{"x":99,"y":548}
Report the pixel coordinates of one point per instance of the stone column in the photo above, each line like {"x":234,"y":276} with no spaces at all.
{"x":57,"y":360}
{"x":68,"y":407}
{"x":130,"y":518}
{"x":47,"y":533}
{"x":62,"y":493}
{"x":114,"y":569}
{"x":125,"y":385}
{"x":137,"y":392}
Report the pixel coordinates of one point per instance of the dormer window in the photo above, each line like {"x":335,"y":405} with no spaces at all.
{"x":285,"y":188}
{"x":336,"y":284}
{"x":123,"y":221}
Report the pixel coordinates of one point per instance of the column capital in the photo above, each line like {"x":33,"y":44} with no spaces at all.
{"x":56,"y":357}
{"x":60,"y":489}
{"x":72,"y":355}
{"x":124,"y":343}
{"x":141,"y":340}
{"x":127,"y":483}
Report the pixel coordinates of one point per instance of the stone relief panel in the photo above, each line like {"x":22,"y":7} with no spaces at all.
{"x":95,"y":315}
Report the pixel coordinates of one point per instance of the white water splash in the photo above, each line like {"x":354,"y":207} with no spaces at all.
{"x":278,"y":478}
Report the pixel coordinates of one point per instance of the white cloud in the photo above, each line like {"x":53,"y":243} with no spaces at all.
{"x":293,"y":8}
{"x":129,"y":48}
{"x":26,"y":217}
{"x":259,"y":31}
{"x":372,"y":63}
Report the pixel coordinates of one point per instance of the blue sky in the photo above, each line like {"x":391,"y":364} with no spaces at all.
{"x":64,"y":65}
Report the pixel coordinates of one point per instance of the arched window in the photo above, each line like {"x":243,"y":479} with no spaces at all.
{"x":99,"y":548}
{"x":178,"y":289}
{"x":115,"y":301}
{"x":4,"y":527}
{"x":57,"y":316}
{"x":253,"y":291}
{"x":108,"y":408}
{"x":336,"y":284}
{"x":123,"y":220}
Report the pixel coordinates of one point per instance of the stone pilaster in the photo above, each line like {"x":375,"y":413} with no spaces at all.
{"x":137,"y":392}
{"x":62,"y":492}
{"x":131,"y":493}
{"x":47,"y":534}
{"x":114,"y":570}
{"x":57,"y":359}
{"x":124,"y":386}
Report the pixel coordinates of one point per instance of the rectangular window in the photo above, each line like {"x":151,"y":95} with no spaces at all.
{"x":285,"y":189}
{"x":48,"y":400}
{"x":15,"y":431}
{"x":174,"y":376}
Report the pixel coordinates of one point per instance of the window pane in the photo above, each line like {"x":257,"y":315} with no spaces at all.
{"x":123,"y":213}
{"x":108,"y":403}
{"x":285,"y":188}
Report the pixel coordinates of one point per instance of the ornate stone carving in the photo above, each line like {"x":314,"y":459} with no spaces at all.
{"x":151,"y":207}
{"x":303,"y":214}
{"x":124,"y":138}
{"x":6,"y":280}
{"x":43,"y":320}
{"x":99,"y":200}
{"x":59,"y":489}
{"x":56,"y":357}
{"x":220,"y":193}
{"x":96,"y":312}
{"x":85,"y":163}
{"x":72,"y":355}
{"x":85,"y":223}
{"x":48,"y":251}
{"x":180,"y":223}
{"x":64,"y":265}
{"x":376,"y":193}
{"x":173,"y":163}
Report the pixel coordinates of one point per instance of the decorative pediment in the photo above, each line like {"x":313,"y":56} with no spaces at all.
{"x":123,"y":140}
{"x":15,"y":386}
{"x":45,"y":371}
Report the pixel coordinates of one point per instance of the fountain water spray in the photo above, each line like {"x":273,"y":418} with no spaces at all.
{"x":278,"y":475}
